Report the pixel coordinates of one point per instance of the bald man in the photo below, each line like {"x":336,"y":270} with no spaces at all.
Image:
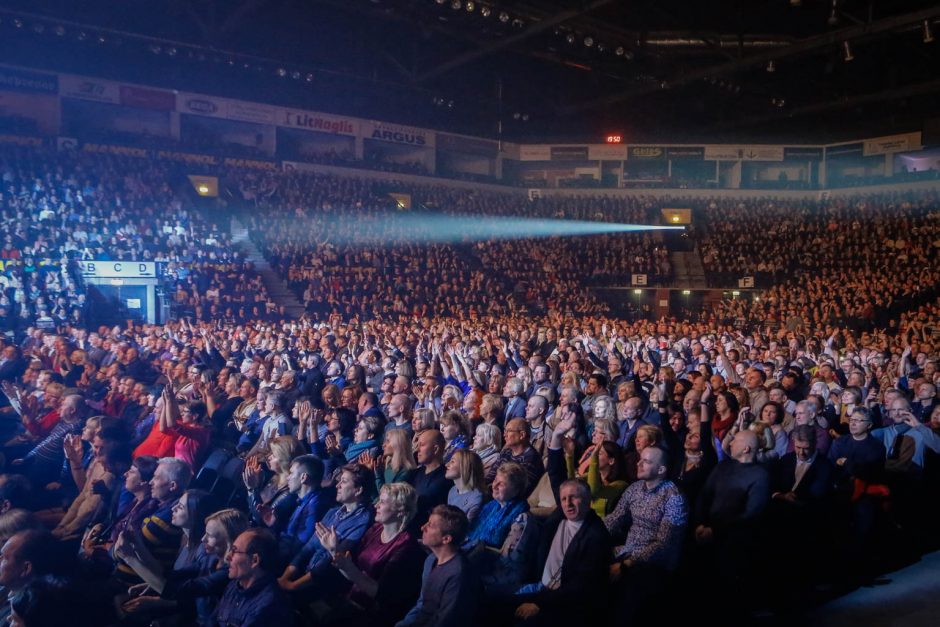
{"x":736,"y":492}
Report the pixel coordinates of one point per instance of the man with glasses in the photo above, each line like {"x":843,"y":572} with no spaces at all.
{"x":253,"y":598}
{"x":859,"y":455}
{"x":519,"y":450}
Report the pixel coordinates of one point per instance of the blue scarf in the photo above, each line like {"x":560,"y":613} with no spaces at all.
{"x":493,"y":524}
{"x":357,"y":448}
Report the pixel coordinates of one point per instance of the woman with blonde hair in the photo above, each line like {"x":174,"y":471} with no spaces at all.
{"x":451,"y":397}
{"x":487,"y":443}
{"x":396,"y":464}
{"x":385,"y":571}
{"x":491,"y":409}
{"x":193,"y":592}
{"x":465,"y":469}
{"x":271,"y":503}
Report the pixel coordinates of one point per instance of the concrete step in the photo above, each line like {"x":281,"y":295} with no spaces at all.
{"x":277,"y":288}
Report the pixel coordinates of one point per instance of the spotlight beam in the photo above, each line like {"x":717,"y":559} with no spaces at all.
{"x":442,"y":229}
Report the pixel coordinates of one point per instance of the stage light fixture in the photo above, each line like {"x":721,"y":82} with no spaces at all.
{"x":281,"y":72}
{"x":485,"y":11}
{"x":295,"y":75}
{"x":38,"y":28}
{"x":588,"y":41}
{"x":771,"y":67}
{"x":847,"y":52}
{"x":928,"y":32}
{"x":456,"y":5}
{"x":60,"y":30}
{"x":503,"y":17}
{"x":570,"y":38}
{"x":171,"y":52}
{"x":619,"y":51}
{"x":470,"y":6}
{"x":309,"y":78}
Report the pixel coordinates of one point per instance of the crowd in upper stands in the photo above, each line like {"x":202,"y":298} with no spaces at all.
{"x":429,"y":445}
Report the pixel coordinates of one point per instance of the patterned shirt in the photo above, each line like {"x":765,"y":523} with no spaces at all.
{"x":656,"y":518}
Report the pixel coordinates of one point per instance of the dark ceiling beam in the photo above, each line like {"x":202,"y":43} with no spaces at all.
{"x":536,"y":28}
{"x":801,"y":47}
{"x":885,"y":95}
{"x":238,"y":16}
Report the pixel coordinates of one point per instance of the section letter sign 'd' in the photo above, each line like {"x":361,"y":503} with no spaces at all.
{"x":118,"y":269}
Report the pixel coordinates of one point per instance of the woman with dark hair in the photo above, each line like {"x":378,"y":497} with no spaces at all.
{"x":189,"y":515}
{"x":605,"y":474}
{"x":192,"y":592}
{"x":190,"y":425}
{"x":130,"y":515}
{"x":340,"y":425}
{"x":772,"y":414}
{"x":726,"y":412}
{"x":697,"y":458}
{"x":456,"y":431}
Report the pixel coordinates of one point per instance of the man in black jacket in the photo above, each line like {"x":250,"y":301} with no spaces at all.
{"x":573,"y":558}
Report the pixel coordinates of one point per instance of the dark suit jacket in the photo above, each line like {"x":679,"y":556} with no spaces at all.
{"x":817,"y":484}
{"x":584,"y":571}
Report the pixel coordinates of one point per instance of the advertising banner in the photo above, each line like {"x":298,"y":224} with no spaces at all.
{"x":723,"y":152}
{"x":844,"y":151}
{"x":322,"y":123}
{"x":42,"y":109}
{"x":142,"y":98}
{"x":111,"y":149}
{"x":806,"y":153}
{"x":186,"y":157}
{"x":31,"y":82}
{"x":685,"y":152}
{"x":646,"y":153}
{"x":398,"y":134}
{"x":250,"y":112}
{"x":762,"y":153}
{"x":891,"y":143}
{"x":569,"y":153}
{"x":200,"y":105}
{"x":251,"y":164}
{"x":20,"y":140}
{"x":535,"y":153}
{"x":467,"y":145}
{"x":605,"y":152}
{"x":89,"y":89}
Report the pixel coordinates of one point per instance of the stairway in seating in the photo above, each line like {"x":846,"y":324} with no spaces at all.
{"x":276,"y":286}
{"x":687,"y":269}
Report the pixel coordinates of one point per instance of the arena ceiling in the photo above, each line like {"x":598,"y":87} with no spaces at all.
{"x":662,"y":70}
